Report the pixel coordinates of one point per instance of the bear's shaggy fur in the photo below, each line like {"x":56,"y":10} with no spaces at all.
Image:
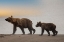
{"x":48,"y":27}
{"x":21,"y":23}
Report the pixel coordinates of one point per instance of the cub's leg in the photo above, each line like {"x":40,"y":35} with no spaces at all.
{"x":56,"y":32}
{"x":42,"y":31}
{"x":53,"y":32}
{"x":48,"y":32}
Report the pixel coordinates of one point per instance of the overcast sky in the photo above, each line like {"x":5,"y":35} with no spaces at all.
{"x":49,"y":11}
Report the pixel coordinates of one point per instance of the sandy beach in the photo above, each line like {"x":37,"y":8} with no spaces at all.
{"x":30,"y":38}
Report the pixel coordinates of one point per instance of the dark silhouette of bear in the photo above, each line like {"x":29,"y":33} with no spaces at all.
{"x":21,"y":23}
{"x":48,"y":27}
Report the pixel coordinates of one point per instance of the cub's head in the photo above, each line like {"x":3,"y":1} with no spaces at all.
{"x":38,"y":24}
{"x":9,"y":19}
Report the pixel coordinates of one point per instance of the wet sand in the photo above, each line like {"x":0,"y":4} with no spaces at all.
{"x":30,"y":38}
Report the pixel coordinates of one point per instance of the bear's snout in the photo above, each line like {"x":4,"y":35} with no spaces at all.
{"x":5,"y":19}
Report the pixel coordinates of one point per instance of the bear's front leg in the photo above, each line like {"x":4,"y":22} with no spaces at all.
{"x":14,"y":30}
{"x":42,"y":32}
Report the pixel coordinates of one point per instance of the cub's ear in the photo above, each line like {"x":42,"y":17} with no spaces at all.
{"x":39,"y":21}
{"x":11,"y":16}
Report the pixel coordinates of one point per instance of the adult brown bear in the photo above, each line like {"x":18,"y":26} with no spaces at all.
{"x":48,"y":27}
{"x":21,"y":23}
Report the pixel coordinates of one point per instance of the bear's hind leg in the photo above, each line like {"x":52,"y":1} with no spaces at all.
{"x":56,"y":32}
{"x":30,"y":30}
{"x":23,"y":31}
{"x":53,"y":32}
{"x":33,"y":30}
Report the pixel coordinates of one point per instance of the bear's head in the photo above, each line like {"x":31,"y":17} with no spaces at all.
{"x":38,"y":24}
{"x":9,"y":19}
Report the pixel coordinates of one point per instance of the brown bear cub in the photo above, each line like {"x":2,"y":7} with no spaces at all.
{"x":48,"y":27}
{"x":21,"y":23}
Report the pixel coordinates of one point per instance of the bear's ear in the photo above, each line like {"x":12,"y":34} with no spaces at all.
{"x":11,"y":16}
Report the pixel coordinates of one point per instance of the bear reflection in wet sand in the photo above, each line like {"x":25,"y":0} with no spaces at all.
{"x":48,"y":27}
{"x":21,"y":23}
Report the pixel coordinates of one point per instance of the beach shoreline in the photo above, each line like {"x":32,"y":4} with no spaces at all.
{"x":30,"y":38}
